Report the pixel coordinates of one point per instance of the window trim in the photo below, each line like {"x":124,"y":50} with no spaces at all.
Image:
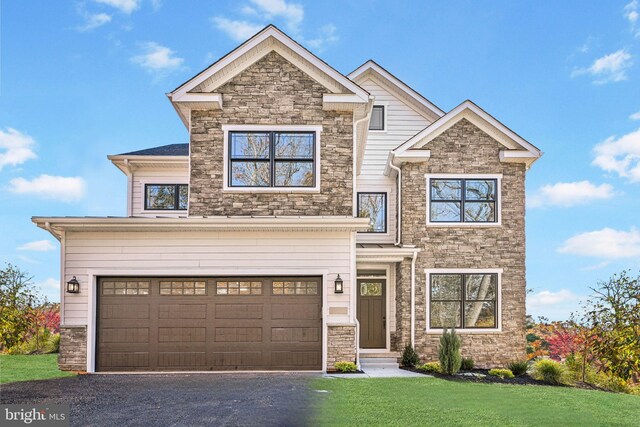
{"x":431,"y":271}
{"x":386,"y":211}
{"x":498,"y":202}
{"x":227,"y":129}
{"x":384,"y":106}
{"x":176,"y":207}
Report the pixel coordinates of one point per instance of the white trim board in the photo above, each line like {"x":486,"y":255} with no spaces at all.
{"x":429,"y":271}
{"x":272,"y":128}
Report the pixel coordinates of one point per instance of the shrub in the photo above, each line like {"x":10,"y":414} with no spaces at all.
{"x":409,"y":357}
{"x":346,"y":367}
{"x":549,"y":371}
{"x":431,"y":367}
{"x":502,"y":373}
{"x":44,"y":343}
{"x":449,"y":352}
{"x":467,"y":364}
{"x":518,"y":367}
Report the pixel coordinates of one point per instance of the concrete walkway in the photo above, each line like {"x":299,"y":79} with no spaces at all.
{"x":379,"y":373}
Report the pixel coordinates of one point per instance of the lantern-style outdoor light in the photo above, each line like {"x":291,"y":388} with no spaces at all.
{"x":338,"y":285}
{"x":73,"y":286}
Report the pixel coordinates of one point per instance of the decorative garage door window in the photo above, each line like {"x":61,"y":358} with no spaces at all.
{"x":239,"y":288}
{"x":125,"y":287}
{"x":370,"y":289}
{"x":463,"y":300}
{"x":295,"y":287}
{"x":183,"y":288}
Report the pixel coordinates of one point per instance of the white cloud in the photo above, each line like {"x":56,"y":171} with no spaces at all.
{"x":156,"y":4}
{"x":50,"y":288}
{"x":565,"y":194}
{"x":124,"y":6}
{"x":327,"y":35}
{"x":632,"y":13}
{"x":38,"y":246}
{"x":64,"y":189}
{"x":621,"y":155}
{"x":608,"y":69}
{"x":551,"y":298}
{"x":237,"y":30}
{"x":635,"y":116}
{"x":157,"y":59}
{"x":553,"y":305}
{"x":292,"y":13}
{"x":15,"y":147}
{"x":93,"y":21}
{"x":606,"y":244}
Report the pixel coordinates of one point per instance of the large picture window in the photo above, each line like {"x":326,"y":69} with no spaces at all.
{"x":272,"y":159}
{"x":164,"y":197}
{"x":463,"y":200}
{"x":465,"y":301}
{"x":374,"y":207}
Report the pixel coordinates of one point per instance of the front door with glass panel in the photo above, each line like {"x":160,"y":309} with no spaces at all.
{"x":372,"y":313}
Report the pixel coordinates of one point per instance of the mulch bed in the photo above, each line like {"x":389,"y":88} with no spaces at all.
{"x":487,"y":379}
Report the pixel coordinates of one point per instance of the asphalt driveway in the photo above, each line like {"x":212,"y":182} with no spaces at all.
{"x":280,"y":399}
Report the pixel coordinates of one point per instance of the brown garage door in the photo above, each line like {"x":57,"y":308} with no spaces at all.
{"x":167,"y":324}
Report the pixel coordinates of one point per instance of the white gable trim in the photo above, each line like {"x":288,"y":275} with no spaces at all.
{"x":518,"y":149}
{"x":263,"y":36}
{"x":371,"y":66}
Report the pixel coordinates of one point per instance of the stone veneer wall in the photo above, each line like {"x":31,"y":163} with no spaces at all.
{"x":341,"y":344}
{"x":73,"y":348}
{"x":271,"y":92}
{"x":464,"y":148}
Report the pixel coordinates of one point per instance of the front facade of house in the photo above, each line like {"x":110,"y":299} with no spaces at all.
{"x":312,"y":218}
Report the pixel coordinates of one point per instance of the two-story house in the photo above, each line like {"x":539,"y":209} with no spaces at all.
{"x":313,"y":217}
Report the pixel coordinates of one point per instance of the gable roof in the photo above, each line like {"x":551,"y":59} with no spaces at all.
{"x":164,"y":150}
{"x":518,"y":150}
{"x":372,"y":67}
{"x":198,"y":92}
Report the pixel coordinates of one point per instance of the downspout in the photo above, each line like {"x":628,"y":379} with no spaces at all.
{"x":399,"y":205}
{"x":413,"y":298}
{"x":354,"y":269}
{"x":129,"y":172}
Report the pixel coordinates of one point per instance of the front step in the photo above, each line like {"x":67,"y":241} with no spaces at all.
{"x":367,"y":362}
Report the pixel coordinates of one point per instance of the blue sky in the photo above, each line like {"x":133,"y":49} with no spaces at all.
{"x":80,"y":80}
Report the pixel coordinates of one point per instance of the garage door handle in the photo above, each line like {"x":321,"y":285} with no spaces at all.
{"x":384,"y":322}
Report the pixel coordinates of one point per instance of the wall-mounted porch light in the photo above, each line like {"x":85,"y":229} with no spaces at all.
{"x":338,"y":285}
{"x":73,"y":286}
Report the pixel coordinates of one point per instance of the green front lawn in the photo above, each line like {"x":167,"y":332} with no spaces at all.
{"x":432,"y":401}
{"x":29,"y":368}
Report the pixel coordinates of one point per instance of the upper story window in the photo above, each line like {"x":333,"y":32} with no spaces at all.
{"x":467,"y":301}
{"x":464,"y":200}
{"x":272,"y":159}
{"x":374,"y":207}
{"x":166,"y":197}
{"x":377,"y":121}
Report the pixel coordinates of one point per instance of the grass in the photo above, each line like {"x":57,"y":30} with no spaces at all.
{"x":433,"y":401}
{"x":29,"y":368}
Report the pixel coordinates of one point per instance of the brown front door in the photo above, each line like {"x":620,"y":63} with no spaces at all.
{"x":372,"y":313}
{"x":209,"y":323}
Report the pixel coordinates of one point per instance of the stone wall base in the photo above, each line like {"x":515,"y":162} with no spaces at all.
{"x":341,"y":345}
{"x":73,"y":348}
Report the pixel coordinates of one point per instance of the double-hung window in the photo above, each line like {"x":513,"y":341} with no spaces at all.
{"x":374,"y":207}
{"x":166,"y":197}
{"x":465,"y":300}
{"x":463,"y":200}
{"x":377,"y":120}
{"x":272,"y":159}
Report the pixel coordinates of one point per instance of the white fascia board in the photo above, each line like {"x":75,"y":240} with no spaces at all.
{"x":371,"y":65}
{"x":324,"y":223}
{"x":423,"y":137}
{"x":386,"y":252}
{"x":199,"y":100}
{"x":126,"y":163}
{"x":272,"y":31}
{"x":341,"y":101}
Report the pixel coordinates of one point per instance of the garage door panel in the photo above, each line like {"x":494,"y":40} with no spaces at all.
{"x":239,"y":311}
{"x":182,"y":311}
{"x":210,"y":324}
{"x":239,"y":334}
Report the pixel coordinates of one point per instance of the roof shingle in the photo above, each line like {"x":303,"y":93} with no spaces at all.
{"x":165,"y":150}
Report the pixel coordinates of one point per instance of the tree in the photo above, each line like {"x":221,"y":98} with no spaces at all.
{"x":18,"y":302}
{"x":614,"y":314}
